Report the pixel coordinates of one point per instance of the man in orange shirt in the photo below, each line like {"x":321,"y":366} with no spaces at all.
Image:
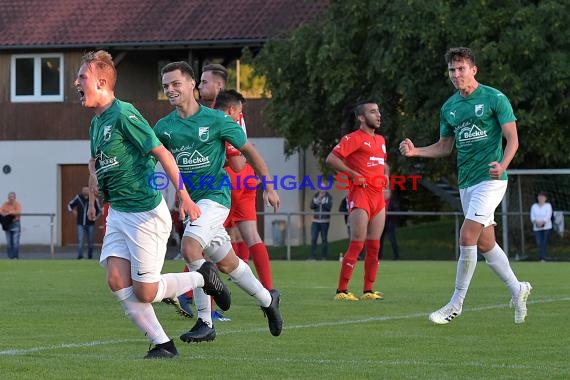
{"x":360,"y":157}
{"x":10,"y":211}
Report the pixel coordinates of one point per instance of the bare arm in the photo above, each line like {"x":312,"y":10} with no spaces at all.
{"x":93,"y":190}
{"x":236,"y":163}
{"x":338,"y":164}
{"x":511,"y":135}
{"x":187,"y":206}
{"x":270,"y":196}
{"x":441,"y":148}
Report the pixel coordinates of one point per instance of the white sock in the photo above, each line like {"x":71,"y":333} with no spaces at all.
{"x":465,"y":269}
{"x":142,"y":315}
{"x":499,"y":263}
{"x":172,"y":285}
{"x":243,"y":277}
{"x":202,"y":301}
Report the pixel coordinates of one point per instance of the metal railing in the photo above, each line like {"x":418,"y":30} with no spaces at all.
{"x":289,"y":215}
{"x":458,"y":220}
{"x":51,"y":217}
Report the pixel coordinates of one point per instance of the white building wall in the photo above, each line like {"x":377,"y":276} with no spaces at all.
{"x":337,"y":229}
{"x":35,"y":178}
{"x":273,"y":151}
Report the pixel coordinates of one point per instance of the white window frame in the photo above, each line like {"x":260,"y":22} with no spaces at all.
{"x":37,"y":97}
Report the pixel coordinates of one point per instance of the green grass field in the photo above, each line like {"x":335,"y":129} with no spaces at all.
{"x":59,"y":321}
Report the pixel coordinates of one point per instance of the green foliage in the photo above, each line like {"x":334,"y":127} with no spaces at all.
{"x":392,"y":51}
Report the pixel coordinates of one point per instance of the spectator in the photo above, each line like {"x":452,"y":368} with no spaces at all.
{"x":541,"y":219}
{"x":321,"y":204}
{"x":10,"y":212}
{"x":79,"y":206}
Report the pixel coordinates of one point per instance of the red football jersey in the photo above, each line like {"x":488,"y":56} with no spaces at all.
{"x":365,"y":154}
{"x":230,"y":149}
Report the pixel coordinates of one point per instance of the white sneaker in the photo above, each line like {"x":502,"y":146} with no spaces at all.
{"x":519,"y":302}
{"x":445,"y":315}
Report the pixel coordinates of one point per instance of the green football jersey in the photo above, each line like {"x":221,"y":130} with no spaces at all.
{"x":121,"y":140}
{"x":198,"y":143}
{"x":475,"y":122}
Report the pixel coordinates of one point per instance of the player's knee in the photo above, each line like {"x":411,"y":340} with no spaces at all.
{"x":466,"y":238}
{"x":116,"y":282}
{"x":145,"y":297}
{"x":229,"y":263}
{"x":485,"y":245}
{"x":145,"y":292}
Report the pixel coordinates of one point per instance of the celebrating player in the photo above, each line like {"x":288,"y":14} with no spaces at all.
{"x":124,"y":151}
{"x":475,"y":119}
{"x":196,"y":135}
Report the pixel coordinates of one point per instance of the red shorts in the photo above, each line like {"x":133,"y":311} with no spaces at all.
{"x":371,"y":201}
{"x":243,"y":196}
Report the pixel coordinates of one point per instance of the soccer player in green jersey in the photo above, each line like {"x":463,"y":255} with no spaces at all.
{"x":196,"y":135}
{"x":475,"y":119}
{"x":124,"y":151}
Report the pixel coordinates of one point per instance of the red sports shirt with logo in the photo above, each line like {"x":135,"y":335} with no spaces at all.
{"x":365,"y":154}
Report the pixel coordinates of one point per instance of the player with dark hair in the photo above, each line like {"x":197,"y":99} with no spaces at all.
{"x":213,"y":80}
{"x":361,"y":157}
{"x":475,"y":119}
{"x":244,"y":189}
{"x":196,"y":135}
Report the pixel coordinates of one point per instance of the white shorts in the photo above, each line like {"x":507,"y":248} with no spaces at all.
{"x":480,"y":201}
{"x":139,"y":237}
{"x":209,"y":229}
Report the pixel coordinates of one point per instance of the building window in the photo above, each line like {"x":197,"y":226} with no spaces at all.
{"x":36,"y":78}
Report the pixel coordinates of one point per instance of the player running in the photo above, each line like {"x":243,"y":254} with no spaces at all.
{"x":475,"y":119}
{"x":196,"y":136}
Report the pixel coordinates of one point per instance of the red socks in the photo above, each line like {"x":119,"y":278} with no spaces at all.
{"x":348,"y":264}
{"x":371,"y":264}
{"x":262,"y":265}
{"x":241,"y":251}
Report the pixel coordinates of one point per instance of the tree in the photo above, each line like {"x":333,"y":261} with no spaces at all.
{"x":392,"y":51}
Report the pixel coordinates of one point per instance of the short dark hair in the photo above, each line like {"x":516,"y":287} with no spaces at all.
{"x":183,"y":66}
{"x":359,"y":109}
{"x":227,"y":98}
{"x":458,"y":54}
{"x":218,"y":70}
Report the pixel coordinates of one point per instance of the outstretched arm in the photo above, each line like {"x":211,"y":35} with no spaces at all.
{"x":441,"y":148}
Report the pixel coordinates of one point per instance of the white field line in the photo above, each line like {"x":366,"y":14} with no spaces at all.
{"x":15,"y":352}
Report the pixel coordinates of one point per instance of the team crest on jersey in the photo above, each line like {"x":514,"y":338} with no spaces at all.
{"x":204,"y":133}
{"x":479,"y":108}
{"x":107,"y":132}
